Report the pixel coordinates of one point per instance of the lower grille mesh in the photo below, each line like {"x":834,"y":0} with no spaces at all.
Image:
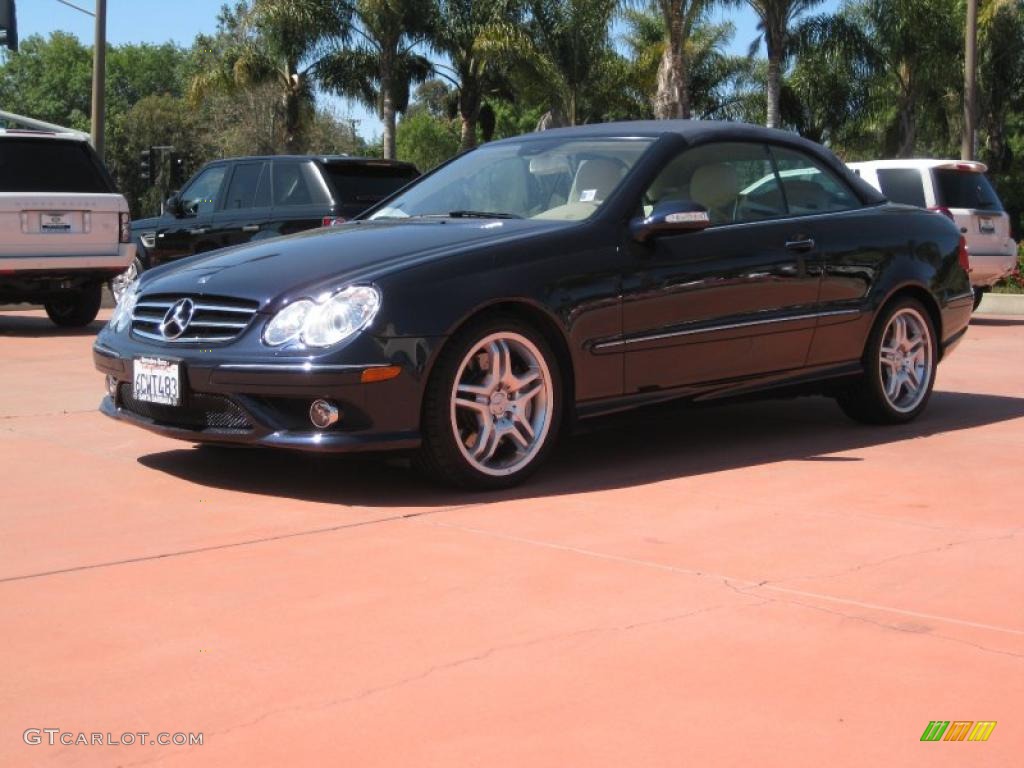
{"x":200,"y":412}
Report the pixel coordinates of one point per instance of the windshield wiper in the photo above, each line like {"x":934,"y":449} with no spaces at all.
{"x":482,"y":215}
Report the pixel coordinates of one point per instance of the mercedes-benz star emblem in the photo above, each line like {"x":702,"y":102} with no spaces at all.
{"x":176,"y":320}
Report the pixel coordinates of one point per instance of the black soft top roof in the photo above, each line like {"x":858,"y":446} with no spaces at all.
{"x":701,"y":131}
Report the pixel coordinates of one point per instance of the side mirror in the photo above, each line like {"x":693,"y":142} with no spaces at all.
{"x":670,"y":217}
{"x":173,"y":206}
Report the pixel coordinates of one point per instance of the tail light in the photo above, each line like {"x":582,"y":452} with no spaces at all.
{"x":944,"y":211}
{"x":126,"y":227}
{"x":963,"y":256}
{"x":332,"y":221}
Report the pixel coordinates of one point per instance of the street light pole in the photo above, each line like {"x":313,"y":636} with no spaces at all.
{"x":99,"y":78}
{"x":970,"y":75}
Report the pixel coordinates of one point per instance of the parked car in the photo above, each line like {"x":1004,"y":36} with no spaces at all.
{"x":64,"y":229}
{"x":543,"y":279}
{"x":252,"y":198}
{"x":961,"y":191}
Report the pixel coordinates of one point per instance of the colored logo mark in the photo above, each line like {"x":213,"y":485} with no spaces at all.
{"x":958,"y":730}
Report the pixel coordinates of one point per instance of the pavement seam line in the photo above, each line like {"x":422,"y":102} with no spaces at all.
{"x":747,"y":584}
{"x":233,"y":544}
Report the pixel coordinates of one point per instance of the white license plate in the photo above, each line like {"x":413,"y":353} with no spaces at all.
{"x":986,"y":226}
{"x":156,"y":381}
{"x":55,"y":222}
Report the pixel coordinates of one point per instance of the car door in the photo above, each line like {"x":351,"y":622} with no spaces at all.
{"x":301,"y":197}
{"x":188,"y":231}
{"x":734,"y":300}
{"x":246,"y":205}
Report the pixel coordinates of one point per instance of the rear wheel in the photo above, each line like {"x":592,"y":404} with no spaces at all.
{"x":492,"y":407}
{"x":75,"y":309}
{"x":899,"y":368}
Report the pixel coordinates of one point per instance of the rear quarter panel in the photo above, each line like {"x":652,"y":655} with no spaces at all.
{"x":875,"y":253}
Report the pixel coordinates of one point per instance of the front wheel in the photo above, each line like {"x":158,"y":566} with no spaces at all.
{"x":899,"y":368}
{"x":492,"y":407}
{"x":76,"y":309}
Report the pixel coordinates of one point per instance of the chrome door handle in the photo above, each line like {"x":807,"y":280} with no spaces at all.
{"x":198,"y":231}
{"x":801,"y":244}
{"x":251,"y":228}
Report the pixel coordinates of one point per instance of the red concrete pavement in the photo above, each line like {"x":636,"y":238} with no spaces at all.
{"x":754,"y":585}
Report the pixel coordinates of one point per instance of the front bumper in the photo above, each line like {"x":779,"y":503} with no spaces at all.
{"x":267,"y":403}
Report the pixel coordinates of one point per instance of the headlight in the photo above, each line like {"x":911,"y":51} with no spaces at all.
{"x":326,"y":322}
{"x":288,"y":323}
{"x":125,"y":307}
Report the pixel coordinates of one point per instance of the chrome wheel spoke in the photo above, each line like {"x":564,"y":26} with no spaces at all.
{"x":905,"y":359}
{"x":501,"y":403}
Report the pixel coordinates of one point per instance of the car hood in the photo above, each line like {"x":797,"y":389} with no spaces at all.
{"x":323,"y":259}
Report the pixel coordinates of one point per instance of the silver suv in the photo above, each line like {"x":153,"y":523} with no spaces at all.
{"x":961,"y":191}
{"x":64,"y":229}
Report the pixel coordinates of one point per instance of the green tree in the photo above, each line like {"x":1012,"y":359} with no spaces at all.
{"x":49,"y":79}
{"x":719,"y":81}
{"x":425,"y":140}
{"x":570,"y":46}
{"x":383,"y":64}
{"x":279,"y":42}
{"x":776,"y":20}
{"x":673,"y":96}
{"x":462,"y":30}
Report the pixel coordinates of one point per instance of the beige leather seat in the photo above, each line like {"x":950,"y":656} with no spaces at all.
{"x":716,"y":187}
{"x":595,"y":180}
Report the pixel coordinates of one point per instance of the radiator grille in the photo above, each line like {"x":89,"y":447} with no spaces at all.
{"x":215,"y":319}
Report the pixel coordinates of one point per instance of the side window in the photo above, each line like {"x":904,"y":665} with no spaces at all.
{"x":734,"y":181}
{"x":298,"y":183}
{"x":201,"y":195}
{"x":810,"y":187}
{"x":245,"y":187}
{"x":902,"y":185}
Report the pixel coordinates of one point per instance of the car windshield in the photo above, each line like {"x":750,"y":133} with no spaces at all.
{"x":555,"y":179}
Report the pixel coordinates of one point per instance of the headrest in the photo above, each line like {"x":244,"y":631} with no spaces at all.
{"x":595,"y":179}
{"x":714,"y":185}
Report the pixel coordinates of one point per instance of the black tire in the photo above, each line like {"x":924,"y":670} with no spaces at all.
{"x":864,"y":399}
{"x":441,"y":457}
{"x":979,"y":294}
{"x":76,"y":309}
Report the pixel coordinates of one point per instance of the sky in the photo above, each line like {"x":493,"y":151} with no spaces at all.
{"x":159,"y":21}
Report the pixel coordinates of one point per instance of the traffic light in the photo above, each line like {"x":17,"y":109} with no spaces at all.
{"x":148,"y":172}
{"x":177,"y":170}
{"x":8,"y":25}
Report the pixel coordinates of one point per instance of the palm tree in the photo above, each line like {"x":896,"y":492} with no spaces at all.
{"x":383,"y":64}
{"x":775,"y":24}
{"x":673,"y":98}
{"x":718,"y":80}
{"x":571,"y":41}
{"x":910,"y":53}
{"x":280,"y":42}
{"x":462,"y":30}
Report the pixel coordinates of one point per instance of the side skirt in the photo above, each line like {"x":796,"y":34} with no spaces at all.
{"x":802,"y":381}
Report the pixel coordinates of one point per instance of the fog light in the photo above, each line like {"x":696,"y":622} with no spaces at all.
{"x":323,"y":414}
{"x":112,"y":386}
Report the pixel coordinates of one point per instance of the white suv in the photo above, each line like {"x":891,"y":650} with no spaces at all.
{"x":64,"y":229}
{"x":960,"y":190}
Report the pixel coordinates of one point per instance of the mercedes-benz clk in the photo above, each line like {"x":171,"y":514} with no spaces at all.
{"x":544,"y":279}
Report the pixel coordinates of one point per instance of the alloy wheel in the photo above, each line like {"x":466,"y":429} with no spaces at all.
{"x":501,"y":403}
{"x":905,"y":360}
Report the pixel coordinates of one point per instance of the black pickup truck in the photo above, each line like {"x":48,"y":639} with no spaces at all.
{"x":251,"y":198}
